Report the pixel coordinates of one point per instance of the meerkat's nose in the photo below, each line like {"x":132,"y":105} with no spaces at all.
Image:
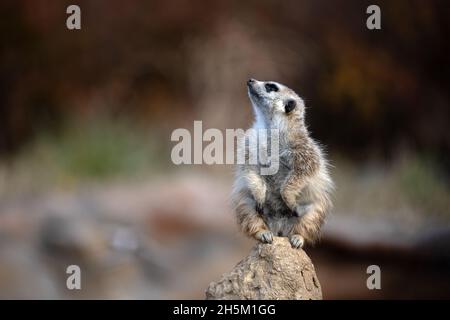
{"x":251,"y":81}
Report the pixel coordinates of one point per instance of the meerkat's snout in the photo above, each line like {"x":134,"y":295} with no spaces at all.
{"x":251,"y":83}
{"x":253,"y":88}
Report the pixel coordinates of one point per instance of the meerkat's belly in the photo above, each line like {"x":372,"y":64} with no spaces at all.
{"x":281,"y":226}
{"x":278,"y":217}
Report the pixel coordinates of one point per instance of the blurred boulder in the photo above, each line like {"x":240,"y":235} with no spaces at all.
{"x":24,"y":274}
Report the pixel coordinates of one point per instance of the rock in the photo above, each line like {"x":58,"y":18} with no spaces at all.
{"x":270,"y":271}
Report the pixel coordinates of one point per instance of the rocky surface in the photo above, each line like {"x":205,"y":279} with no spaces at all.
{"x":270,"y":271}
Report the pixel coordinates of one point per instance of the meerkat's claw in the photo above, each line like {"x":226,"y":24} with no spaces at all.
{"x":296,"y":241}
{"x":265,"y":236}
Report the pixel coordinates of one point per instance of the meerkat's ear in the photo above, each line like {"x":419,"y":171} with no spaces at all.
{"x":289,"y":106}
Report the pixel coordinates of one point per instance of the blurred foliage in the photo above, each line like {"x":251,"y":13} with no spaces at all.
{"x":98,"y":106}
{"x":98,"y":150}
{"x":165,"y":64}
{"x":411,"y":191}
{"x":424,"y":185}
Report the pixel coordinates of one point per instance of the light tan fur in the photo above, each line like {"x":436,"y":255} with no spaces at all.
{"x":295,"y":200}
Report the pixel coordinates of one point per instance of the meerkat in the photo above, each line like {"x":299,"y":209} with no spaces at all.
{"x":295,"y":200}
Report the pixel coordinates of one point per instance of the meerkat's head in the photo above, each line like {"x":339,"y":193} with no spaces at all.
{"x":275,"y":105}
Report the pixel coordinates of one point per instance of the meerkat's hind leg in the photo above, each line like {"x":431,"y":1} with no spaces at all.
{"x":264,"y":236}
{"x":297,"y":241}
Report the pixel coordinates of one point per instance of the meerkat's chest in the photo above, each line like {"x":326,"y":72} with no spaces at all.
{"x":274,"y":181}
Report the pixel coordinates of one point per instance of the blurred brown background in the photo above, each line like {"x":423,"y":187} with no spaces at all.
{"x":86,"y":116}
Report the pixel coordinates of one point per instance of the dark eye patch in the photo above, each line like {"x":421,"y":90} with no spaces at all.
{"x":290,"y":105}
{"x":271,"y":87}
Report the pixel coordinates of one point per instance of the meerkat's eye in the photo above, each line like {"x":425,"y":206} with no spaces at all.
{"x":271,"y":87}
{"x":290,"y":105}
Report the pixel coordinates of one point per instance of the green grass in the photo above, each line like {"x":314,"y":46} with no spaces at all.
{"x":424,"y":185}
{"x":94,"y":151}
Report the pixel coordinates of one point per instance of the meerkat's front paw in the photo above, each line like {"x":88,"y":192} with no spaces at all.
{"x":264,"y":236}
{"x":297,"y":241}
